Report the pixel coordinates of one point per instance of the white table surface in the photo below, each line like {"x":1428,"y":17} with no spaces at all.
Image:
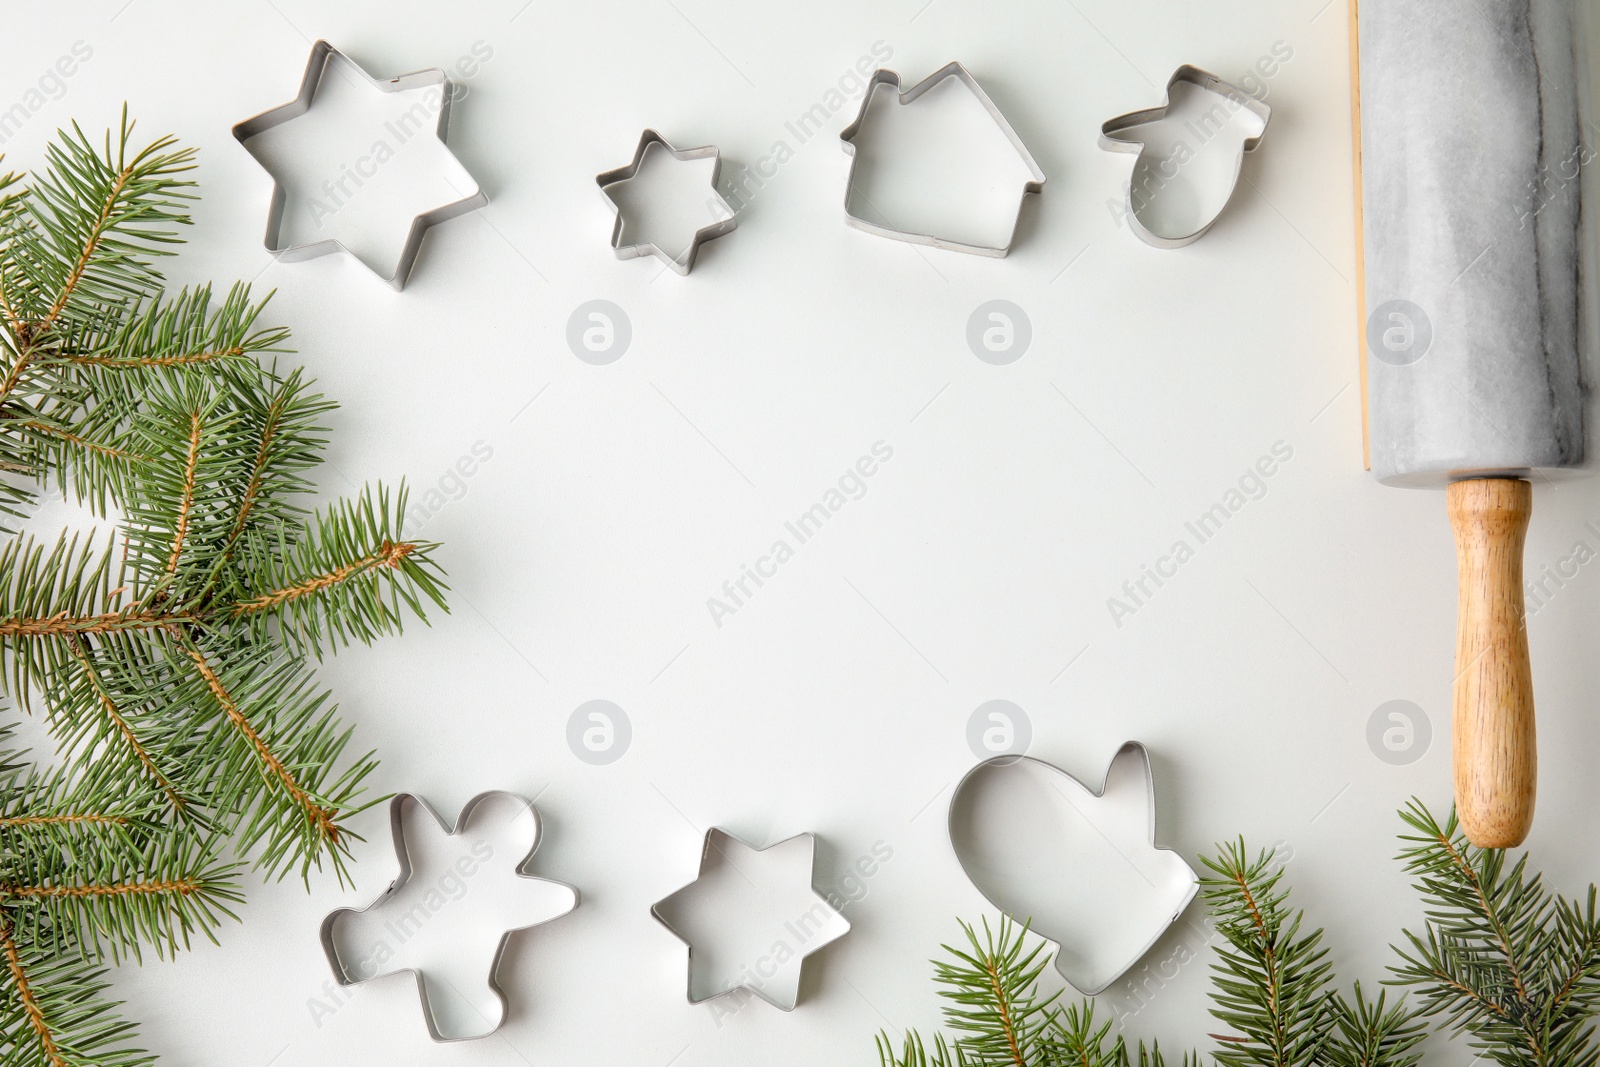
{"x":977,"y":566}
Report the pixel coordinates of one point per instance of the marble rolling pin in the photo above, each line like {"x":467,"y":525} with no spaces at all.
{"x":1473,"y":147}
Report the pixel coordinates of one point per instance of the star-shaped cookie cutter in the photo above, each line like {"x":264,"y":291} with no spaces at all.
{"x":1112,"y":141}
{"x":884,"y":76}
{"x":684,"y":262}
{"x":715,"y":840}
{"x":324,"y":56}
{"x":342,"y":972}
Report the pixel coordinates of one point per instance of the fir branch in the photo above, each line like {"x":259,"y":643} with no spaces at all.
{"x":53,"y":1011}
{"x":64,"y":625}
{"x":46,"y":598}
{"x":388,"y":554}
{"x":1371,"y":1034}
{"x":172,"y":669}
{"x":1500,"y":958}
{"x":272,"y":744}
{"x":186,"y":497}
{"x":81,"y":446}
{"x":179,"y":505}
{"x":125,"y":362}
{"x":319,"y":816}
{"x":913,"y":1052}
{"x":992,"y":998}
{"x":46,"y":813}
{"x":93,"y":734}
{"x":1000,"y":1018}
{"x":127,"y":893}
{"x":91,"y":224}
{"x":346,"y":579}
{"x":187,"y":330}
{"x":75,"y":250}
{"x":1271,"y":982}
{"x":21,"y":985}
{"x":81,"y":441}
{"x":13,"y":201}
{"x":182,"y":887}
{"x":283,"y":416}
{"x":13,"y":822}
{"x":1078,"y":1041}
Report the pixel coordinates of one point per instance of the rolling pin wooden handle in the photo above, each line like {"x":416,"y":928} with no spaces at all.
{"x":1495,"y":757}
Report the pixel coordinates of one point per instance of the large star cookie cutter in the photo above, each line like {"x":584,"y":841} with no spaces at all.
{"x":345,"y":971}
{"x":884,"y":76}
{"x":1115,"y":136}
{"x":1103,"y":929}
{"x":683,"y":262}
{"x":324,"y":57}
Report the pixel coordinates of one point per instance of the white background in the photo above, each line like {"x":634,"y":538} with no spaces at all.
{"x":977,"y":566}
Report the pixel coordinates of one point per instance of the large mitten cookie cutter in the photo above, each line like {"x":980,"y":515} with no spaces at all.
{"x":324,"y":56}
{"x":343,"y":971}
{"x":884,"y":76}
{"x":1113,"y":139}
{"x":1163,"y":881}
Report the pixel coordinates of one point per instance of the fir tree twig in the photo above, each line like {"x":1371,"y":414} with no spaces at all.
{"x":1500,"y":958}
{"x":172,"y":657}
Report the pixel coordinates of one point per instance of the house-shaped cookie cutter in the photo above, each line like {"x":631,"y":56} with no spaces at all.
{"x":883,"y":76}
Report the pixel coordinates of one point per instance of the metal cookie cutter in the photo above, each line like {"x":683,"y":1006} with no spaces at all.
{"x":683,"y":263}
{"x":807,"y":928}
{"x":346,"y":976}
{"x":884,"y":76}
{"x":1112,"y":139}
{"x":1095,"y":947}
{"x":324,"y":56}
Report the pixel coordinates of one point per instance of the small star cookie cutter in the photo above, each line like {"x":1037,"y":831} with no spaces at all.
{"x":714,"y":839}
{"x":323,"y":57}
{"x":345,"y":975}
{"x":683,"y":263}
{"x":1112,"y":142}
{"x":884,"y":76}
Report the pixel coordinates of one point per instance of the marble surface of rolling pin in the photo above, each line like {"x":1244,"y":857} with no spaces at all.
{"x":1478,"y":256}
